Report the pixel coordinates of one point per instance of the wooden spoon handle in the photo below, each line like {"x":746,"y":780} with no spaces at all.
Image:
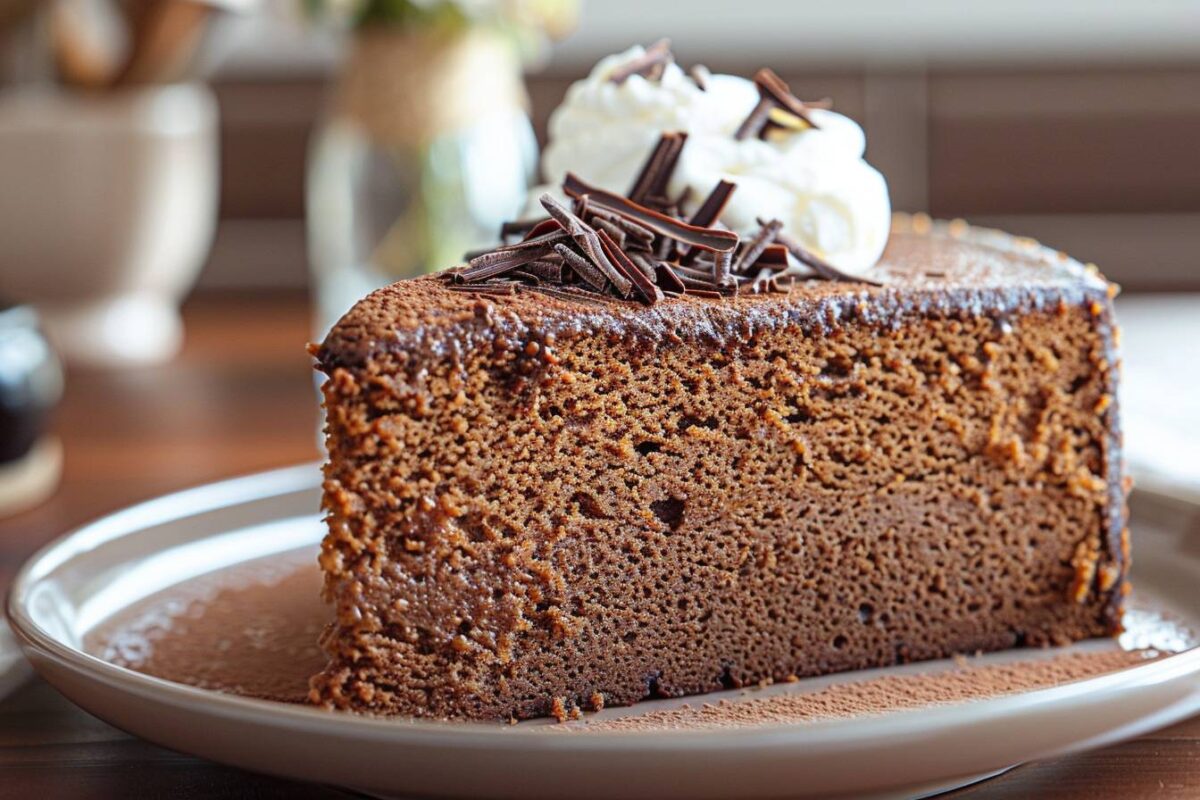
{"x":166,"y":34}
{"x":89,"y":40}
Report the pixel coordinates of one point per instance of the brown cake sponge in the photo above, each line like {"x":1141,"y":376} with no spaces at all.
{"x":534,"y":502}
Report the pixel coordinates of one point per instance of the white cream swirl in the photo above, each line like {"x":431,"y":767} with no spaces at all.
{"x":815,"y":181}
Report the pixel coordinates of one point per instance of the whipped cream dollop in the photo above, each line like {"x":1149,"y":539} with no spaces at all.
{"x":815,"y":181}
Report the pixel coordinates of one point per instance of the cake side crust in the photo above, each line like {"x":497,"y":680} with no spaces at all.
{"x":536,"y":508}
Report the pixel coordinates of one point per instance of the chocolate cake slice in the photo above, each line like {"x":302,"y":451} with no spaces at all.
{"x":543,"y":499}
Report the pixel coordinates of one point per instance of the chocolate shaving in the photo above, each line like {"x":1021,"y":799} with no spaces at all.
{"x":471,"y":255}
{"x":754,"y":123}
{"x":708,"y":213}
{"x":722,"y":277}
{"x":661,"y":224}
{"x":545,"y":270}
{"x":567,"y":218}
{"x":764,"y":281}
{"x":542,"y":228}
{"x":594,"y":249}
{"x":655,"y":174}
{"x":519,"y":227}
{"x":649,"y":64}
{"x":710,"y":210}
{"x":612,"y":230}
{"x":755,"y":247}
{"x":580,"y":204}
{"x":602,"y":245}
{"x":774,"y":93}
{"x":700,"y":75}
{"x":552,"y":233}
{"x":772,"y":86}
{"x":587,"y":240}
{"x":568,"y":293}
{"x":645,"y":285}
{"x":664,"y":249}
{"x":668,"y":280}
{"x":545,"y":236}
{"x":692,"y":283}
{"x":573,"y":225}
{"x":818,"y":264}
{"x":487,"y":288}
{"x":525,"y":276}
{"x":582,"y":267}
{"x":644,"y":262}
{"x":774,"y":256}
{"x":693,"y":272}
{"x":498,"y":262}
{"x":632,"y":229}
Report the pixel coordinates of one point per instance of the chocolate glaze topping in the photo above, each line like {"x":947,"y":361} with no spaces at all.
{"x":946,"y":270}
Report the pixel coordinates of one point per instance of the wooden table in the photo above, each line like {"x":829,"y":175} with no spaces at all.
{"x":241,"y":399}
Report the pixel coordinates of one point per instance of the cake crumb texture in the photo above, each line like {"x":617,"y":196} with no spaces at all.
{"x":536,"y":506}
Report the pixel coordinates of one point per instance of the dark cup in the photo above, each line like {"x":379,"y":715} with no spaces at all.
{"x":31,"y":382}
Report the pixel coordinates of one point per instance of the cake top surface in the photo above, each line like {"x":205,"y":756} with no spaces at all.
{"x":928,"y":267}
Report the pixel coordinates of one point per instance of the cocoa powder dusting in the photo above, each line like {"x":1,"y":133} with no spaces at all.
{"x":252,"y":631}
{"x":967,"y":681}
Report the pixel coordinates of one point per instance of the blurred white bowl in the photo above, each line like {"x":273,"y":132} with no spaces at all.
{"x":107,"y":210}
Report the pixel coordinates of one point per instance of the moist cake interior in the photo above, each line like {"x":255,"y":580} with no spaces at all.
{"x":538,"y":504}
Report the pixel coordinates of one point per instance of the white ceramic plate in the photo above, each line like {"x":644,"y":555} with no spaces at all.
{"x":86,"y":577}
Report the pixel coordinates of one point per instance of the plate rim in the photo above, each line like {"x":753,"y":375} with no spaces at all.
{"x":819,"y":734}
{"x":15,"y":669}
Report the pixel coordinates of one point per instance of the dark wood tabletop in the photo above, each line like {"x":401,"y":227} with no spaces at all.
{"x":241,"y":398}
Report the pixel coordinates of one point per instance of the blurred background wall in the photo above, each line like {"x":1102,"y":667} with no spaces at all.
{"x":1076,"y":122}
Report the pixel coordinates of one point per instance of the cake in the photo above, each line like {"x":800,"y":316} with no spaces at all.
{"x":636,"y":453}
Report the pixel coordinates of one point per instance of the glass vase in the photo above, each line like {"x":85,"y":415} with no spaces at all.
{"x":425,"y":150}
